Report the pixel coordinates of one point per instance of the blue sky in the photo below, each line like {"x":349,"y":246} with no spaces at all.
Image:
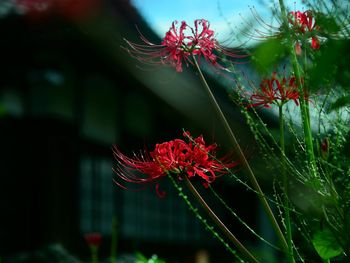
{"x":161,"y":13}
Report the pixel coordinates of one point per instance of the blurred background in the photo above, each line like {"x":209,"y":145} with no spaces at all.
{"x":68,"y":92}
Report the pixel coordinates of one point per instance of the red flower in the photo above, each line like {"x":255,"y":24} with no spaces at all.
{"x":303,"y":29}
{"x":175,"y":49}
{"x":78,"y":10}
{"x":93,"y":239}
{"x":297,"y":48}
{"x":275,"y":91}
{"x":202,"y":42}
{"x":73,"y":9}
{"x":324,"y":148}
{"x":36,"y":9}
{"x":177,"y":157}
{"x":302,"y":21}
{"x":179,"y":44}
{"x":304,"y":25}
{"x":315,"y":43}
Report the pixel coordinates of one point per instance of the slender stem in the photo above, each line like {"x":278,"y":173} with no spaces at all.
{"x":94,"y":255}
{"x":220,"y":224}
{"x":114,"y":240}
{"x":241,"y":220}
{"x":281,"y":122}
{"x":243,"y":160}
{"x":304,"y":107}
{"x":285,"y":187}
{"x":202,"y":220}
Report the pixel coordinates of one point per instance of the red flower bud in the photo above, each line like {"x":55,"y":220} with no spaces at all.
{"x":93,"y":239}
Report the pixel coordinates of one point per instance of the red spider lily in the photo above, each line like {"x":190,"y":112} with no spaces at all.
{"x":275,"y":91}
{"x":175,"y":48}
{"x":315,"y":43}
{"x":72,"y":9}
{"x":176,"y":157}
{"x":179,"y":44}
{"x":78,"y":10}
{"x":324,"y":148}
{"x":203,"y":42}
{"x":36,"y":8}
{"x":93,"y":239}
{"x":304,"y":24}
{"x":201,"y":162}
{"x":302,"y":21}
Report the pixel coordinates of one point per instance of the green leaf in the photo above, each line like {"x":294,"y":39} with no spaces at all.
{"x":327,"y":23}
{"x":326,"y":244}
{"x":3,"y":111}
{"x":330,"y":65}
{"x":140,"y":258}
{"x":268,"y":54}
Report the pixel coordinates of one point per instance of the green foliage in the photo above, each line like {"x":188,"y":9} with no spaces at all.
{"x":140,"y":258}
{"x":347,"y":219}
{"x":268,"y":53}
{"x":2,"y":110}
{"x":326,"y":22}
{"x":326,"y":244}
{"x":330,"y":66}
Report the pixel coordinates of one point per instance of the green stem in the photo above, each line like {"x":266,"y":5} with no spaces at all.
{"x":243,"y":160}
{"x":94,"y":255}
{"x":220,"y":224}
{"x":240,"y":219}
{"x":114,"y":240}
{"x":281,"y":122}
{"x":304,"y":105}
{"x":285,"y":187}
{"x":202,"y":220}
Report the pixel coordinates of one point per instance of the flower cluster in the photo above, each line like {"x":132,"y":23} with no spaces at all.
{"x":180,"y":44}
{"x":275,"y":90}
{"x":176,"y":156}
{"x":303,"y":24}
{"x":302,"y":29}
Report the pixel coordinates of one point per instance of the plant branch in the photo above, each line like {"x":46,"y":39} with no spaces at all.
{"x":304,"y":105}
{"x":285,"y":187}
{"x":202,"y":220}
{"x":243,"y":160}
{"x":220,"y":224}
